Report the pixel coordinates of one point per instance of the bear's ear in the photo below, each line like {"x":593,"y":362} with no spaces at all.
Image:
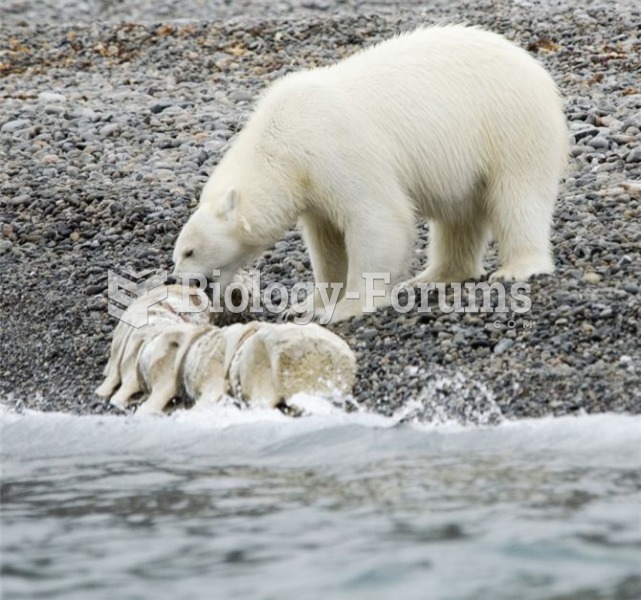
{"x":229,"y":209}
{"x":229,"y":205}
{"x":244,"y":223}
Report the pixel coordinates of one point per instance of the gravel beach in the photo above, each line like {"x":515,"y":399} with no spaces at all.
{"x":113,"y":114}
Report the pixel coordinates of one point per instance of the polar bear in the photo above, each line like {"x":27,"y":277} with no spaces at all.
{"x":453,"y":124}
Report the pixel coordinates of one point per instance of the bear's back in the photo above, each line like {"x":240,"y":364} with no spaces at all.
{"x":439,"y":109}
{"x":447,"y":81}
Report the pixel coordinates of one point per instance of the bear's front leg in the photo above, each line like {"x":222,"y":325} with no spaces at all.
{"x":326,"y":247}
{"x":378,"y":258}
{"x":361,"y":298}
{"x":345,"y":309}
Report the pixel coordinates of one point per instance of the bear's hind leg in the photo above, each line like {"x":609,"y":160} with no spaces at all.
{"x":521,"y":220}
{"x":455,"y":251}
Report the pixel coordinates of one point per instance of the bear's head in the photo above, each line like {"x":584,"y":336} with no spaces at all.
{"x":215,"y":238}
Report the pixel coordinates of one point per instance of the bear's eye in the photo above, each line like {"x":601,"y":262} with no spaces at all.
{"x":189,"y":253}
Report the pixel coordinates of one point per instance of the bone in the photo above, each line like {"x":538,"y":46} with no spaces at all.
{"x":159,"y":365}
{"x":127,"y":340}
{"x":277,"y":362}
{"x":261,"y":364}
{"x":204,"y":371}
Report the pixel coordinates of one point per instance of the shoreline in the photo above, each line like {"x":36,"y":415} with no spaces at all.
{"x":108,"y":131}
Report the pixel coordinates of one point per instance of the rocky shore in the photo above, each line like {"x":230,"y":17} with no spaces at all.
{"x":112,"y":116}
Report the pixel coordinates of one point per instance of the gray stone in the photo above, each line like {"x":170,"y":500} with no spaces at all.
{"x":241,"y":96}
{"x":585,"y":132}
{"x":109,"y":129}
{"x":50,"y":97}
{"x":15,"y":125}
{"x":599,"y":142}
{"x":635,"y":155}
{"x":54,"y":109}
{"x":159,"y":105}
{"x":503,"y":345}
{"x":633,"y":121}
{"x":622,"y":139}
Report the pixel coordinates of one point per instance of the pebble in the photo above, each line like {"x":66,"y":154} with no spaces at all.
{"x":623,"y":140}
{"x":592,"y":277}
{"x":584,"y":132}
{"x":632,"y":187}
{"x":599,"y":142}
{"x":163,"y":174}
{"x":160,"y":105}
{"x":49,"y":97}
{"x":503,"y":345}
{"x":241,"y":96}
{"x":54,"y":109}
{"x":15,"y":125}
{"x":110,"y":129}
{"x":635,"y":155}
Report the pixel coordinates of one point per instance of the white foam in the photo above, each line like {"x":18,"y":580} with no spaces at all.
{"x":325,"y":435}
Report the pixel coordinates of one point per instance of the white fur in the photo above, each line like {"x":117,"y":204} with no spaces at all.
{"x":452,"y":124}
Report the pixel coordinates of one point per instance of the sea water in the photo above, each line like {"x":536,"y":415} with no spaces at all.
{"x":222,"y":503}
